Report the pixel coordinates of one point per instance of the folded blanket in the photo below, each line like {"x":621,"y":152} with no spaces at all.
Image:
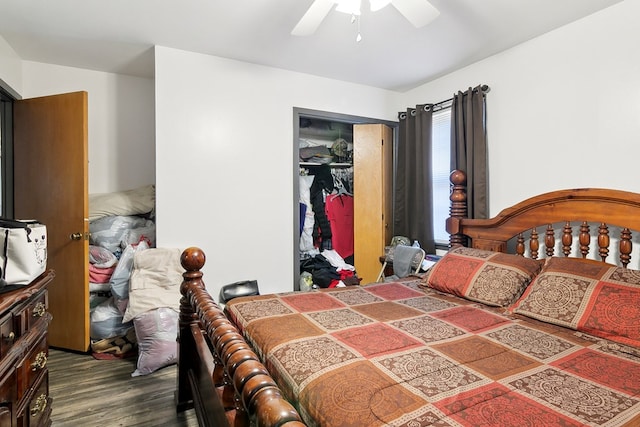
{"x":155,"y":281}
{"x":100,"y":275}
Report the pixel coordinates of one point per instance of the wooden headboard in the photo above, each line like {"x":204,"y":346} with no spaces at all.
{"x":570,"y":222}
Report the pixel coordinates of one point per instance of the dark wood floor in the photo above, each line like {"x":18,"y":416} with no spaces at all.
{"x":90,"y":392}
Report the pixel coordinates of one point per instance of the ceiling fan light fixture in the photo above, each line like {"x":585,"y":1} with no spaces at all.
{"x":352,"y":7}
{"x":418,"y":12}
{"x":378,"y":4}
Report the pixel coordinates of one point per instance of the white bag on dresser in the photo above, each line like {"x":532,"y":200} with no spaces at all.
{"x":23,"y":251}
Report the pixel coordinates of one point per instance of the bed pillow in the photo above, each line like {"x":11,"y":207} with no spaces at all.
{"x":586,"y":295}
{"x":492,"y":278}
{"x":137,"y":201}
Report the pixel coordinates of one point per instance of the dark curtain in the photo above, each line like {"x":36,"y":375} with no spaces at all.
{"x":469,"y":146}
{"x":413,"y":199}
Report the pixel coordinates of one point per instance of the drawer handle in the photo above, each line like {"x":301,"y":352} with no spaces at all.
{"x":11,"y":336}
{"x":39,"y":310}
{"x":41,"y":404}
{"x":40,"y":361}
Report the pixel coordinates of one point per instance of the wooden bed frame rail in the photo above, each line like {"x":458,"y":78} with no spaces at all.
{"x":219,"y":375}
{"x":574,"y":209}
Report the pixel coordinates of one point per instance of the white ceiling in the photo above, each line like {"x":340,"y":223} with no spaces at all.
{"x":118,"y":35}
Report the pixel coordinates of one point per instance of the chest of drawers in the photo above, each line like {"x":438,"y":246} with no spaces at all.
{"x":24,"y":377}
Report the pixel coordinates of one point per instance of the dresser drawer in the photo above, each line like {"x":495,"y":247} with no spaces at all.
{"x":37,"y":410}
{"x":27,"y":314}
{"x":24,"y":375}
{"x":34,"y":366}
{"x":8,"y":387}
{"x":20,"y":319}
{"x":40,"y":405}
{"x":36,"y":309}
{"x":8,"y":334}
{"x":7,"y":398}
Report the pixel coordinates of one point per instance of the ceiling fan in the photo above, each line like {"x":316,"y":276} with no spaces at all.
{"x":418,"y":12}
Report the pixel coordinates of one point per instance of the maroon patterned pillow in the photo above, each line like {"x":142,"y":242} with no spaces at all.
{"x":492,"y":278}
{"x":586,"y":295}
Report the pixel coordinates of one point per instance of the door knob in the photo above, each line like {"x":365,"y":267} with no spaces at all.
{"x":76,"y":236}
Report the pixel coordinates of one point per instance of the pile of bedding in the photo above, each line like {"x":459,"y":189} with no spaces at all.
{"x":134,"y":286}
{"x":117,"y":220}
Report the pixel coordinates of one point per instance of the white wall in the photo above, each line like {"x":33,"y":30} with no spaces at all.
{"x":121,"y":121}
{"x":564,"y":108}
{"x":224,"y":141}
{"x":10,"y":66}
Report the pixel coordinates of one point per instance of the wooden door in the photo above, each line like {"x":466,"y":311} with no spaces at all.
{"x":51,"y":185}
{"x":372,"y":187}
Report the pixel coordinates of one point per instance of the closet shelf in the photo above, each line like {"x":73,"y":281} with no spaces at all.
{"x":332,"y":165}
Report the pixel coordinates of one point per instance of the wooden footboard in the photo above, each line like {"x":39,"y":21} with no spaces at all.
{"x":219,"y":375}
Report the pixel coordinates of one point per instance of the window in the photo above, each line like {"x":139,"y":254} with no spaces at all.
{"x":440,"y":165}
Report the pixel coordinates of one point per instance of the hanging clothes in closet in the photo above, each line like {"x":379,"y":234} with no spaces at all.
{"x":307,"y":217}
{"x":339,"y":209}
{"x":343,"y":177}
{"x":326,"y":241}
{"x":322,"y":185}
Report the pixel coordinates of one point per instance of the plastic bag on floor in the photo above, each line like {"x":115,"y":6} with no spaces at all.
{"x":156,"y":332}
{"x":119,"y":281}
{"x":106,"y":321}
{"x":101,"y":257}
{"x":114,"y":232}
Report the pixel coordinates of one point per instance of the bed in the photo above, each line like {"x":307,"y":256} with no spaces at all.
{"x":531,"y":318}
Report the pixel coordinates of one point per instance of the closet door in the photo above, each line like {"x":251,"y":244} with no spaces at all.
{"x":372,"y":190}
{"x":51,"y":185}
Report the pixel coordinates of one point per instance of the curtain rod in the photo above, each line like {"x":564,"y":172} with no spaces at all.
{"x":443,"y":104}
{"x":447,"y":103}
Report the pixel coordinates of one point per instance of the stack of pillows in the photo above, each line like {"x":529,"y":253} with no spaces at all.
{"x":581,"y":294}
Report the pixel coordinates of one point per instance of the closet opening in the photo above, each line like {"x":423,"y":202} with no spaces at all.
{"x":323,"y":150}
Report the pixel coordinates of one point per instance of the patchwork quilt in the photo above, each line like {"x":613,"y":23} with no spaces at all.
{"x":395,"y":354}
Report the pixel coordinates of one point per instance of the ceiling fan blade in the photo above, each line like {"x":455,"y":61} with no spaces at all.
{"x":418,"y":12}
{"x":312,"y":19}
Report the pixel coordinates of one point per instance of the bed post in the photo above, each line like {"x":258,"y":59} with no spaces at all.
{"x":458,"y":208}
{"x":192,"y":260}
{"x":218,"y":373}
